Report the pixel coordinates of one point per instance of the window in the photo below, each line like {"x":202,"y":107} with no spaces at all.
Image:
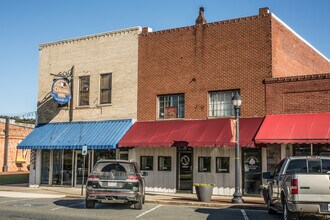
{"x":83,"y":90}
{"x":220,"y":103}
{"x":204,"y":164}
{"x":105,"y":88}
{"x":147,"y":162}
{"x":171,"y":106}
{"x":297,"y":166}
{"x":164,"y":163}
{"x":222,"y":164}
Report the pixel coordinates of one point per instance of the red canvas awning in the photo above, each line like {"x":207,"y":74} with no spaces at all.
{"x":295,"y":128}
{"x":192,"y":133}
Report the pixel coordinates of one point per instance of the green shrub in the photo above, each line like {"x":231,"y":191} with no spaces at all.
{"x":204,"y":184}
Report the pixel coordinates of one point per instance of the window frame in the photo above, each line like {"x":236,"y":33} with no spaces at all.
{"x":216,"y":164}
{"x":199,"y":166}
{"x":159,"y":165}
{"x":152,"y":164}
{"x":82,"y":91}
{"x":169,"y":100}
{"x":214,"y":106}
{"x":109,"y":88}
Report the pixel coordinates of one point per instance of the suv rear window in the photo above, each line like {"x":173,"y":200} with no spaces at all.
{"x":308,"y":166}
{"x":114,"y":170}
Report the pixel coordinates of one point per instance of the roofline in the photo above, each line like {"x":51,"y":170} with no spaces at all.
{"x":103,"y":34}
{"x":283,"y":79}
{"x":300,"y":37}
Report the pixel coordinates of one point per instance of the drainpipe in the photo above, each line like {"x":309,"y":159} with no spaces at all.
{"x":5,"y":160}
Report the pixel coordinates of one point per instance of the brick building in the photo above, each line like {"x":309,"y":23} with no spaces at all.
{"x":99,"y":73}
{"x":17,"y":159}
{"x":187,"y":77}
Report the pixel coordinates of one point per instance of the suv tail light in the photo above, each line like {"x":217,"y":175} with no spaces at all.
{"x":294,"y":186}
{"x":133,"y":177}
{"x":93,"y":177}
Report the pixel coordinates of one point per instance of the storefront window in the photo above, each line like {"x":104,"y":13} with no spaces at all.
{"x":204,"y":164}
{"x":67,"y":167}
{"x":301,"y":149}
{"x":222,"y":164}
{"x":57,"y":167}
{"x":147,"y":162}
{"x":164,"y":163}
{"x":45,"y":161}
{"x":321,"y":149}
{"x":273,"y":156}
{"x":104,"y":154}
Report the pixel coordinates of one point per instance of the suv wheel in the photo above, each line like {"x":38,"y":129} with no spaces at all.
{"x":138,"y":204}
{"x":90,"y":204}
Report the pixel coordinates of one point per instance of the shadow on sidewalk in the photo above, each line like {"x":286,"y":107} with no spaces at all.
{"x":80,"y":204}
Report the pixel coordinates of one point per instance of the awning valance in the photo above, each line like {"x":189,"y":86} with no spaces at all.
{"x":73,"y":135}
{"x":193,"y":133}
{"x":295,"y":128}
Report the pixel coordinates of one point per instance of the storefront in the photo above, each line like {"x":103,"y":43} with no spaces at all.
{"x":178,"y":153}
{"x":56,"y":157}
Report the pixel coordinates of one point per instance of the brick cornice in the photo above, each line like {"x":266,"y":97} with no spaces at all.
{"x":297,"y":78}
{"x":90,"y":37}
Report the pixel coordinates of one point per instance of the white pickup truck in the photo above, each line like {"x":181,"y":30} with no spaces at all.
{"x":299,"y":185}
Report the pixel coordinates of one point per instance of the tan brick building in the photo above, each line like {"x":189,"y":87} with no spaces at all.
{"x":17,"y":159}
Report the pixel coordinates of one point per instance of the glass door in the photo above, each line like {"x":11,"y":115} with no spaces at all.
{"x":251,"y":171}
{"x":185,"y":170}
{"x":80,"y":170}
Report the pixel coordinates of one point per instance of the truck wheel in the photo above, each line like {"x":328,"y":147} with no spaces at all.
{"x":90,"y":204}
{"x":288,"y":215}
{"x":269,"y":208}
{"x":138,"y":204}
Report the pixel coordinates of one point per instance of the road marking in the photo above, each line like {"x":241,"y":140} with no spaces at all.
{"x":16,"y":200}
{"x":244,"y":215}
{"x":142,"y":214}
{"x":67,"y":206}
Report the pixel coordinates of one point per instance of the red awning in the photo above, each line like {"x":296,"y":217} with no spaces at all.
{"x":296,"y":128}
{"x":192,"y":133}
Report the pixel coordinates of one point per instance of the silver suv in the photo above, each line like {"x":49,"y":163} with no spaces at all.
{"x":115,"y":181}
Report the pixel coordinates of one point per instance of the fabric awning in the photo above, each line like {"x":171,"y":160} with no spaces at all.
{"x":193,"y":133}
{"x":295,"y":128}
{"x":73,"y":135}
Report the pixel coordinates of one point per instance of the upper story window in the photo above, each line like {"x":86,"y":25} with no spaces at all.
{"x":220,"y":103}
{"x":171,"y":106}
{"x":84,"y":83}
{"x":105,"y":88}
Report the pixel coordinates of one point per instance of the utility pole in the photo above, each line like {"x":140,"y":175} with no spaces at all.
{"x":5,"y":159}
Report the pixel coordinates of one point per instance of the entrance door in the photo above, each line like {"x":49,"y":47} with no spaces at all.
{"x":251,"y":171}
{"x":79,"y":169}
{"x":185,"y":170}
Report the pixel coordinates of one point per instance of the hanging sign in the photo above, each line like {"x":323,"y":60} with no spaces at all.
{"x":61,"y":91}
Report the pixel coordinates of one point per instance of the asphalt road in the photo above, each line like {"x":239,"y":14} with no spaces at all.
{"x":64,"y":208}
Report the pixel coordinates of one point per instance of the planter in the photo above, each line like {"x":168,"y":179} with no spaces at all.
{"x":204,"y":193}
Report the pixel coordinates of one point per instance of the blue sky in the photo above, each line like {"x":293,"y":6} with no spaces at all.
{"x":26,"y":24}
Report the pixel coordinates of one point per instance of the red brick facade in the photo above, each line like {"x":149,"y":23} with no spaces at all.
{"x":16,"y":135}
{"x":292,"y":95}
{"x":233,"y":54}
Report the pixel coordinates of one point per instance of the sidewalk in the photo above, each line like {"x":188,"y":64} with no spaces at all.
{"x":155,"y":198}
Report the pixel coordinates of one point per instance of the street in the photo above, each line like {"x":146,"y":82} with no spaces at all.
{"x":65,"y":208}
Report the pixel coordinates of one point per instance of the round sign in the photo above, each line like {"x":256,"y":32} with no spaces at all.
{"x":185,"y":160}
{"x":61,"y":91}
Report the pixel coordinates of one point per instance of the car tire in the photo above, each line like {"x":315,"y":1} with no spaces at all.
{"x":288,"y":215}
{"x":89,"y":204}
{"x":138,"y":204}
{"x":269,"y":208}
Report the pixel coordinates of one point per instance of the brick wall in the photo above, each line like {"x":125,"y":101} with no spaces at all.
{"x":114,"y":52}
{"x":298,"y":95}
{"x":226,"y":55}
{"x":16,"y":135}
{"x":292,"y":56}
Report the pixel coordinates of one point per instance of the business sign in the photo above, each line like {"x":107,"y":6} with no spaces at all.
{"x":61,"y":91}
{"x":84,"y":150}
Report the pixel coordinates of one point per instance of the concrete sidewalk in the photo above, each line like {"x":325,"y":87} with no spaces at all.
{"x":186,"y":199}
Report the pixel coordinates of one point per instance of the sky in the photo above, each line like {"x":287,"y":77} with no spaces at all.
{"x":25,"y":24}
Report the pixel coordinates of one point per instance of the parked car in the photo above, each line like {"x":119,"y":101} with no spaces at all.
{"x":299,"y":185}
{"x":114,"y":181}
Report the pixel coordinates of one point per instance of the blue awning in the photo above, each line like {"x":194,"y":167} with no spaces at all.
{"x":73,"y":135}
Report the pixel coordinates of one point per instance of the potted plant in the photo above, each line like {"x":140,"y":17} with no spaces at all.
{"x":204,"y":191}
